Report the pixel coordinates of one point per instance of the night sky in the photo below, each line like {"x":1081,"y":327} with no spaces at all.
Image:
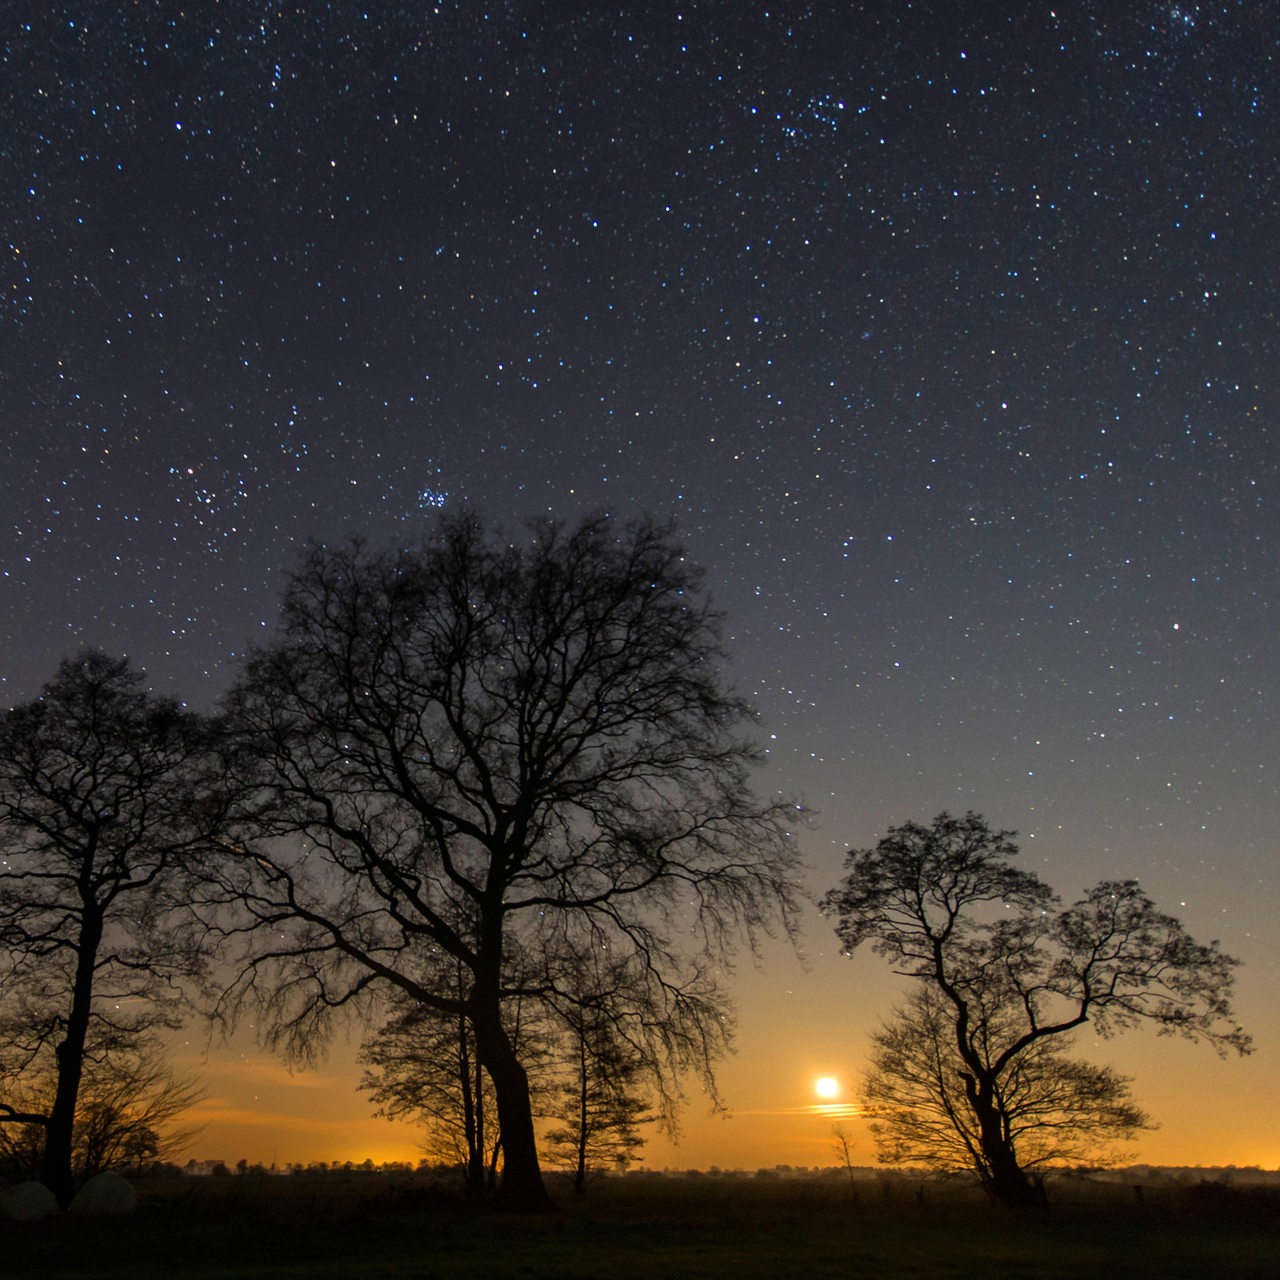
{"x":946,"y":332}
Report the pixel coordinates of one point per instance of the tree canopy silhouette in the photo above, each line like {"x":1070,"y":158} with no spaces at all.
{"x":103,"y":806}
{"x":485,"y":740}
{"x":610,"y":1064}
{"x":1054,"y":1110}
{"x":421,"y":1064}
{"x":1004,"y":969}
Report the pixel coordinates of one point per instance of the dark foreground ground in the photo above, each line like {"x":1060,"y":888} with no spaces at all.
{"x":381,"y":1226}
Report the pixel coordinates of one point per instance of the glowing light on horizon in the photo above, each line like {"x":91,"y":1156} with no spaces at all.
{"x":827,"y":1087}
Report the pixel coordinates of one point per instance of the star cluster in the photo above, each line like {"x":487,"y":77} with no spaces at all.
{"x":947,"y":333}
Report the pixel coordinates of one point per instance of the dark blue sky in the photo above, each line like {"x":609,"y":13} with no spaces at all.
{"x":947,"y":332}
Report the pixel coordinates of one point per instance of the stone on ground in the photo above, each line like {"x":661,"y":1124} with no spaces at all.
{"x":27,"y":1202}
{"x":107,"y":1195}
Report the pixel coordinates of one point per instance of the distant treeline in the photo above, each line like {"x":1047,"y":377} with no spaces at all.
{"x":1184,"y":1175}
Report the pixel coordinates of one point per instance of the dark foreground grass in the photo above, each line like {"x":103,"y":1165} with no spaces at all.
{"x":670,"y":1227}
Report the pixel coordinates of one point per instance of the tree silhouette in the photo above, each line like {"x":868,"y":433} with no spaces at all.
{"x":1053,"y":1109}
{"x":1005,"y":970}
{"x":422,"y":1065}
{"x":600,"y":1102}
{"x":463,"y":744}
{"x":102,"y":806}
{"x":128,"y":1113}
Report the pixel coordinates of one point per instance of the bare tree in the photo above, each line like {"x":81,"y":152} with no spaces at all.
{"x":128,"y":1115}
{"x":1054,"y":1110}
{"x":844,"y":1146}
{"x":610,"y":1001}
{"x":131,"y":1112}
{"x":600,"y":1102}
{"x":101,"y":805}
{"x":1006,"y":971}
{"x":461,"y":744}
{"x":422,"y":1065}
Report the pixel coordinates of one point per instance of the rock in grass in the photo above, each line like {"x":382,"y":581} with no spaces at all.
{"x":107,"y":1195}
{"x":27,"y":1202}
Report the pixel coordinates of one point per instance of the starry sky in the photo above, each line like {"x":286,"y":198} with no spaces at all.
{"x":947,"y":332}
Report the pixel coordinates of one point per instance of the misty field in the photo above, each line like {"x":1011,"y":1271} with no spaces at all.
{"x":388,"y":1226}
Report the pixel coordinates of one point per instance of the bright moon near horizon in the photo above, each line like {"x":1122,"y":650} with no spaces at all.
{"x":826,"y":1087}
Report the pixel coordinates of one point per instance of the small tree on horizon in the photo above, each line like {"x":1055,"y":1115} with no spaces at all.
{"x":421,"y":1065}
{"x":600,"y":1102}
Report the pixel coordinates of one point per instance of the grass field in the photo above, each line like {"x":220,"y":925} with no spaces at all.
{"x":376,"y":1227}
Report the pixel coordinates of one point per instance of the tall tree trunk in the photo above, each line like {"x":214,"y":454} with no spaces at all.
{"x":1004,"y":1176}
{"x":580,"y":1177}
{"x":476,"y":1177}
{"x":1008,"y":1183}
{"x":522,"y":1189}
{"x":472,"y":1110}
{"x":55,"y":1161}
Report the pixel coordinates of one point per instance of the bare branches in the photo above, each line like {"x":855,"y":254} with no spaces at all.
{"x":105,"y":801}
{"x":973,"y":1067}
{"x":1110,"y":958}
{"x":1124,"y":962}
{"x":464,"y":744}
{"x":128,"y":1112}
{"x":916,"y":890}
{"x":1053,"y":1109}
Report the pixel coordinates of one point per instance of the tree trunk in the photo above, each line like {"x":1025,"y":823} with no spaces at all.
{"x":522,"y":1189}
{"x":1008,"y":1184}
{"x":478,"y":1139}
{"x":580,"y":1176}
{"x":55,"y":1162}
{"x":1006,"y":1180}
{"x":1002,"y":1176}
{"x":472,"y":1111}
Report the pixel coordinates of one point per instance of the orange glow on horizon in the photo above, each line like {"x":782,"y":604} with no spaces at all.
{"x":1211,"y":1112}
